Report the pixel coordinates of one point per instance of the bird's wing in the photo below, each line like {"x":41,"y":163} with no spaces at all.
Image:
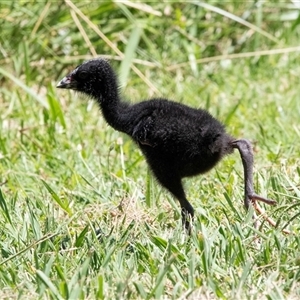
{"x":163,"y":126}
{"x":142,"y":131}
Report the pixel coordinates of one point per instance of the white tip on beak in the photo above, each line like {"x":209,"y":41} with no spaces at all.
{"x":65,"y":83}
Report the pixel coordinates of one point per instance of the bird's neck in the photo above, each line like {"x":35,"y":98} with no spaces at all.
{"x":115,"y":111}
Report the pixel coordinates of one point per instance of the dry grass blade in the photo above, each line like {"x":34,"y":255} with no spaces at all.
{"x":75,"y":58}
{"x":41,"y":18}
{"x":236,"y":55}
{"x":83,"y":33}
{"x":94,"y":27}
{"x":237,"y":19}
{"x":43,"y":239}
{"x":141,"y":6}
{"x":262,"y":213}
{"x":110,"y":44}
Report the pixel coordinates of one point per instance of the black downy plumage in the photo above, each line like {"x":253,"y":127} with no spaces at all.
{"x":178,"y":141}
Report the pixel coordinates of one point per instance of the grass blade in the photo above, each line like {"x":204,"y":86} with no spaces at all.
{"x":236,"y":19}
{"x":63,"y":204}
{"x":129,"y":54}
{"x":4,"y":208}
{"x":23,"y":86}
{"x":47,"y":281}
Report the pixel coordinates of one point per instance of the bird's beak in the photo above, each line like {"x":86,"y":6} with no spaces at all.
{"x":66,"y":83}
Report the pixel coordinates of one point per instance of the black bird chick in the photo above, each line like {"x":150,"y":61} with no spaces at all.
{"x":178,"y":141}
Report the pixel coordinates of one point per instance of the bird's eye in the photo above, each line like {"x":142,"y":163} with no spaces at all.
{"x":82,"y":75}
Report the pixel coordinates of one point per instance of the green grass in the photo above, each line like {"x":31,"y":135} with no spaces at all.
{"x":64,"y":173}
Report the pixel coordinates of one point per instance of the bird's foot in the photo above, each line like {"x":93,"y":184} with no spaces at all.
{"x":187,"y":219}
{"x":253,"y":197}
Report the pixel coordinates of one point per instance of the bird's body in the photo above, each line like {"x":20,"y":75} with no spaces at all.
{"x":178,"y":141}
{"x":166,"y":127}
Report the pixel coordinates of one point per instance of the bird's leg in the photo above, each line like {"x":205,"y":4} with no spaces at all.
{"x":187,"y":214}
{"x":187,"y":210}
{"x":246,"y":153}
{"x":172,"y":181}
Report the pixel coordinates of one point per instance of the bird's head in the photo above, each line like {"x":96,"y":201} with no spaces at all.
{"x":92,"y":78}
